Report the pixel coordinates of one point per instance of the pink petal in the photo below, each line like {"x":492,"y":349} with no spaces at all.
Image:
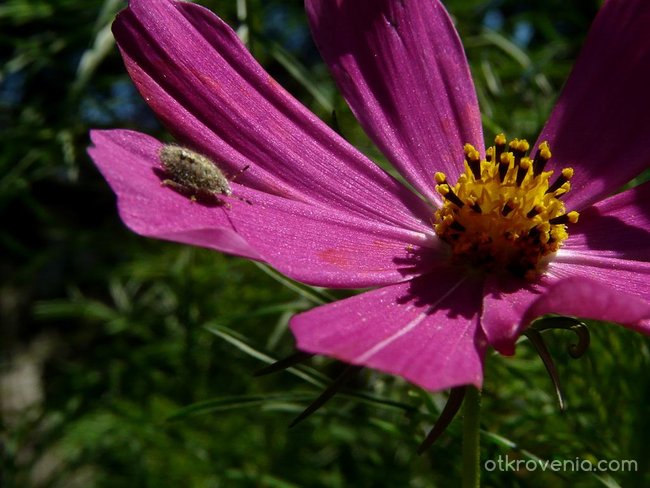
{"x":505,"y":301}
{"x":425,"y":330}
{"x":600,"y":125}
{"x":326,"y":247}
{"x":618,"y":227}
{"x":403,"y":71}
{"x":128,"y":160}
{"x":625,"y":276}
{"x":208,"y":90}
{"x":584,"y":298}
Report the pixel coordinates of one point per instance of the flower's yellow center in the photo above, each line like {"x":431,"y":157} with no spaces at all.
{"x":503,"y":213}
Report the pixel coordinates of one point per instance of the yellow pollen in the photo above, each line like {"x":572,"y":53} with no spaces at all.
{"x":545,"y":150}
{"x":504,"y":214}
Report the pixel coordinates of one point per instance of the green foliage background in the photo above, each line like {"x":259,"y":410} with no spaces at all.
{"x":143,"y":350}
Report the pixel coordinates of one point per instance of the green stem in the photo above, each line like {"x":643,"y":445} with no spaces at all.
{"x":471,"y":443}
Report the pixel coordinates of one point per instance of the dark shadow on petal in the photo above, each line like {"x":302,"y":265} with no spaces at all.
{"x":426,"y":291}
{"x":641,"y":193}
{"x":508,"y":284}
{"x":599,"y":237}
{"x":418,"y":260}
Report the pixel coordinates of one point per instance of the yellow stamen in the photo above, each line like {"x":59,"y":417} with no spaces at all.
{"x":440,"y":178}
{"x":504,"y":213}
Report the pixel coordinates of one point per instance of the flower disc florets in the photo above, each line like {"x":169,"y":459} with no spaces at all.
{"x":503,"y":213}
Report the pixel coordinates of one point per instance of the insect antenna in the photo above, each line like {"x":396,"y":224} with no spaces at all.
{"x":236,"y":175}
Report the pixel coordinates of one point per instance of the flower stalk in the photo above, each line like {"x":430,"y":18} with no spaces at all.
{"x":471,"y":441}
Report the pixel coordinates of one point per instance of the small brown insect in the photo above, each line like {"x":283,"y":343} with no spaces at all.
{"x":193,"y":174}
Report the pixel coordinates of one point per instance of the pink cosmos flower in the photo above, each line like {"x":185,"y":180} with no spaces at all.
{"x":467,"y":264}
